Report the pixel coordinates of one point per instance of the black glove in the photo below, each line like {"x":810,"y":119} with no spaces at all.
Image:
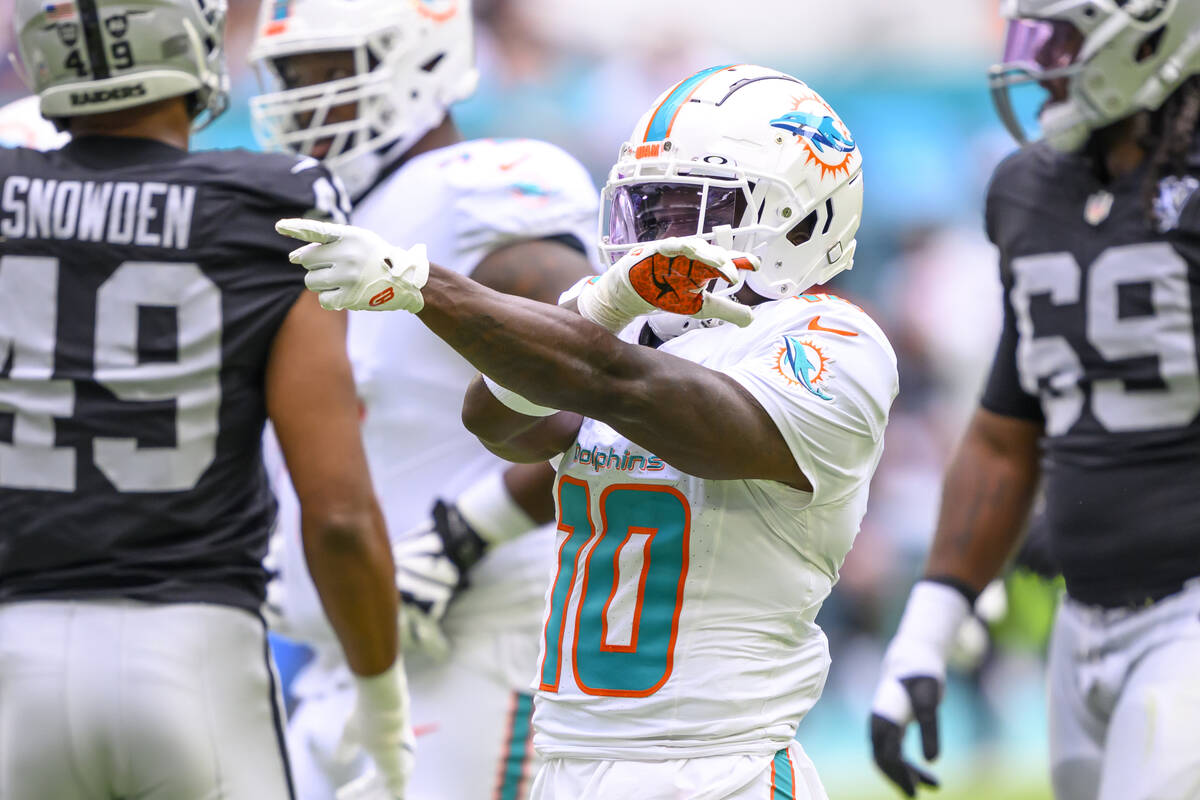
{"x":888,"y":736}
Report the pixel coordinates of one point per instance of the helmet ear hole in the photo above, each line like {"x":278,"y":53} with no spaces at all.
{"x":1149,"y":46}
{"x":803,"y":230}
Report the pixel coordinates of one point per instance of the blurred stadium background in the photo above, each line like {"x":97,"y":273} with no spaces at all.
{"x":909,"y":79}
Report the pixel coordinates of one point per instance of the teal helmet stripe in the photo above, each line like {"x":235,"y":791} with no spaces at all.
{"x":664,"y":115}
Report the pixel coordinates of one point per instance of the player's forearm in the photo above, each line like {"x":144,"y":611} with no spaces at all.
{"x":551,"y":356}
{"x":987,"y":495}
{"x":350,"y":561}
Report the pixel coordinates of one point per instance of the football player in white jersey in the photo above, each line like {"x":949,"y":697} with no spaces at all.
{"x":713,"y":471}
{"x":365,"y":86}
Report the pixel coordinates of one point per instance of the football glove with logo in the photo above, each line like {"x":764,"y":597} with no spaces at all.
{"x":431,"y":567}
{"x":433,"y":560}
{"x":380,"y":726}
{"x":352,"y":268}
{"x":667,"y":275}
{"x":914,"y":676}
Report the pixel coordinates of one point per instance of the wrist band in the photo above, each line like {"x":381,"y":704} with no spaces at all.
{"x":387,"y":691}
{"x":933,"y":614}
{"x":516,"y":402}
{"x":487,"y":507}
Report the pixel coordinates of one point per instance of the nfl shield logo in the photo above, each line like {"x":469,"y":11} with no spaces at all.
{"x":1098,"y":207}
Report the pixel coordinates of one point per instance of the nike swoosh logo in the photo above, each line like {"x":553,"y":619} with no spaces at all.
{"x":424,"y":730}
{"x":510,"y":164}
{"x":815,"y":325}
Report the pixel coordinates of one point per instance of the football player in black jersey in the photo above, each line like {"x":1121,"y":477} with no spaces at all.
{"x":149,"y":324}
{"x":1095,"y":390}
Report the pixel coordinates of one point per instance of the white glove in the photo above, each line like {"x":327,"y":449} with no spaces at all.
{"x":668,"y":275}
{"x":380,"y":726}
{"x":356,"y":269}
{"x":427,"y":580}
{"x":912,"y":680}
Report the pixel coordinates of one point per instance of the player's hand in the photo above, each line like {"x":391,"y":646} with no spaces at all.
{"x":354,"y":268}
{"x":380,"y":726}
{"x":913,"y":677}
{"x":432,"y":562}
{"x":669,"y":275}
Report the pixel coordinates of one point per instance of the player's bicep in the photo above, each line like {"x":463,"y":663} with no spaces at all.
{"x":539,"y":269}
{"x":313,"y":406}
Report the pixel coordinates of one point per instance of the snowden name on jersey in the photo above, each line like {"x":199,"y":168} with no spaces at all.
{"x":147,"y":214}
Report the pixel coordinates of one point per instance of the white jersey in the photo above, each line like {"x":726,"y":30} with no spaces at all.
{"x":22,"y":125}
{"x":463,"y":202}
{"x":680,"y":621}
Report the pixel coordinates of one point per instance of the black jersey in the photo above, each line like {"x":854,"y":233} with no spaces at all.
{"x":141,"y":288}
{"x":1100,"y":347}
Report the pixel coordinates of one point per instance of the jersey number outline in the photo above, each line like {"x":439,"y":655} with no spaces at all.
{"x":624,"y":631}
{"x":1166,"y":335}
{"x":28,"y":322}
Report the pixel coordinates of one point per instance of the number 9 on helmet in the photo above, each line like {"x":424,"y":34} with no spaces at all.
{"x":751,"y":159}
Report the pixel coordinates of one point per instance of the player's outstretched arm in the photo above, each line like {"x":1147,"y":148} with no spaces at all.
{"x":314,"y":409}
{"x":559,"y":360}
{"x":986,"y":498}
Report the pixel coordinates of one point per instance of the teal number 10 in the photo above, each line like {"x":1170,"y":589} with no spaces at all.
{"x":637,"y":562}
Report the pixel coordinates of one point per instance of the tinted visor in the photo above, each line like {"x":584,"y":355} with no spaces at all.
{"x":648,"y":212}
{"x":1041,"y":45}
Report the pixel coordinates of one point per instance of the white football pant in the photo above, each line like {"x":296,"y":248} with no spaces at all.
{"x":471,"y":716}
{"x":117,"y":698}
{"x":789,"y":775}
{"x":1125,"y":701}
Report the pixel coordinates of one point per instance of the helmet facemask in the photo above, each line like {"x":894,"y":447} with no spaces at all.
{"x":310,"y":119}
{"x":406,"y":66}
{"x":1100,"y":60}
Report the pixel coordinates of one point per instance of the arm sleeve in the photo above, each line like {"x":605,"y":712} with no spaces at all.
{"x":829,"y":394}
{"x":1003,"y":393}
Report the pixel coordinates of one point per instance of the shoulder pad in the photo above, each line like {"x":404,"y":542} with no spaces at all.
{"x":298,"y":182}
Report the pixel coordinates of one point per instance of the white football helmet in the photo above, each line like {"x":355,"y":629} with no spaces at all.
{"x":412,"y":60}
{"x":95,"y":56}
{"x":1117,"y":57}
{"x":748,"y":158}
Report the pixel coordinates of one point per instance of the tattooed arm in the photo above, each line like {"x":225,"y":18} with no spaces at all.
{"x":986,"y":499}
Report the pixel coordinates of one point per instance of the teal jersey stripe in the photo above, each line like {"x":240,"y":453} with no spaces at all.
{"x":512,"y":767}
{"x":781,"y":777}
{"x":664,"y":115}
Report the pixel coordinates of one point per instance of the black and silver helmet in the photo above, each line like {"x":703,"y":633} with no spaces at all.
{"x":94,"y":56}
